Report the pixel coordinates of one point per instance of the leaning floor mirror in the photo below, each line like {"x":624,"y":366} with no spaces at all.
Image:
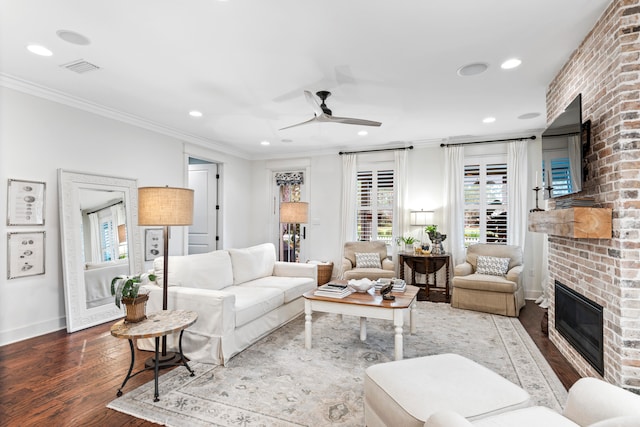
{"x":100,"y":240}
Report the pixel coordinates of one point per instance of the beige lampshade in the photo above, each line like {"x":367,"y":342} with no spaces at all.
{"x":421,"y":217}
{"x":294,"y":212}
{"x":122,"y":233}
{"x":165,"y":206}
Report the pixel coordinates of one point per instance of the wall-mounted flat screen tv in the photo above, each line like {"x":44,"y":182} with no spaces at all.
{"x":562,"y":154}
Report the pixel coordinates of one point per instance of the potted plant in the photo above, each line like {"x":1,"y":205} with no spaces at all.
{"x":126,"y":290}
{"x":436,"y":238}
{"x":407,"y":241}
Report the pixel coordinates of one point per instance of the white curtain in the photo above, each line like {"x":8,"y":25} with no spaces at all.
{"x":517,"y":190}
{"x":348,"y":206}
{"x":575,"y":157}
{"x":400,"y":213}
{"x":94,"y":236}
{"x":454,"y":202}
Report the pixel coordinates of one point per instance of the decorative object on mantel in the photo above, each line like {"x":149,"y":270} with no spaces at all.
{"x":577,"y":222}
{"x":575,"y":202}
{"x":537,"y":208}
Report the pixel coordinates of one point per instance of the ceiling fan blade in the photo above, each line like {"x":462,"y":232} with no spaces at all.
{"x":317,"y":109}
{"x":314,"y":119}
{"x":351,"y":121}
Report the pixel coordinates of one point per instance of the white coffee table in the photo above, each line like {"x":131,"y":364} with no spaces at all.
{"x":369,"y":304}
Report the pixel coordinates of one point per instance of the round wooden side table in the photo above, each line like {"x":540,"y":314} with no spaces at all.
{"x":156,"y":325}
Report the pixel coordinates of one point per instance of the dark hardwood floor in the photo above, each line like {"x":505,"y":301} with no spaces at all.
{"x":62,"y":379}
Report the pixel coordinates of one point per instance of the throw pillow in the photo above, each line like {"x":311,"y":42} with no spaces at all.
{"x":368,"y":260}
{"x":493,"y":266}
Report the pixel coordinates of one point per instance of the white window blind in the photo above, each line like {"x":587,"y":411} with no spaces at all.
{"x":485,"y":195}
{"x":375,"y":195}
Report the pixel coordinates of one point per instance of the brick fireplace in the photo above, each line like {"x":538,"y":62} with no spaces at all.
{"x":606,"y":70}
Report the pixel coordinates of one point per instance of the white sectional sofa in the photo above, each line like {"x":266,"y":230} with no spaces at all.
{"x":240,"y":295}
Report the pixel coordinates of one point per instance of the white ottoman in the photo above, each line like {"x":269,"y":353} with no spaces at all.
{"x":406,"y":392}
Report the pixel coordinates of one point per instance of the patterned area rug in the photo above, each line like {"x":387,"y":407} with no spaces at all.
{"x":276,"y":382}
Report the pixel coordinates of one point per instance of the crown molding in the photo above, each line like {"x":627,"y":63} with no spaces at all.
{"x":39,"y":91}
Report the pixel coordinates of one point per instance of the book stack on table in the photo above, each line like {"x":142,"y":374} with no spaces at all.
{"x":399,"y":285}
{"x":333,"y":290}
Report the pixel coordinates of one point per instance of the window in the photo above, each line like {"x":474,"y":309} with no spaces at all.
{"x":106,"y":239}
{"x":485,"y":199}
{"x":375,"y":194}
{"x":560,"y":176}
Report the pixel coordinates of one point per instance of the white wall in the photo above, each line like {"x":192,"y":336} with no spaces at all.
{"x":37,"y":137}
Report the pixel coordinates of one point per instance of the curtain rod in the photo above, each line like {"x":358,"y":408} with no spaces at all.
{"x":372,"y":151}
{"x":532,"y":137}
{"x":105,"y":207}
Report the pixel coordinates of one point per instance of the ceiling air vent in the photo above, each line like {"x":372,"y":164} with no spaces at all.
{"x":80,"y":66}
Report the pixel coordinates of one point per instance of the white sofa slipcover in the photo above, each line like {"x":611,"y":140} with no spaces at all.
{"x":240,"y":296}
{"x":591,"y":402}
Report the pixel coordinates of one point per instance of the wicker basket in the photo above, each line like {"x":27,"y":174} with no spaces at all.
{"x":324,"y":273}
{"x":135,"y":308}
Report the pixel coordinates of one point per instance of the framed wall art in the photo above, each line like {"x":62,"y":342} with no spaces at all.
{"x":153,"y":243}
{"x":25,"y":254}
{"x":25,"y":202}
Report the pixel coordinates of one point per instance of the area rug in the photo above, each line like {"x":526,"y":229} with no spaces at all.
{"x":276,"y":382}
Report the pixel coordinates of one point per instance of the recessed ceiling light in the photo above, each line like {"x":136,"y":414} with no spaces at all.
{"x":488,"y":120}
{"x":195,"y":113}
{"x":528,"y":116}
{"x":39,"y":50}
{"x":363,"y":133}
{"x":73,"y":37}
{"x":473,"y":69}
{"x":265,"y":143}
{"x":511,"y":63}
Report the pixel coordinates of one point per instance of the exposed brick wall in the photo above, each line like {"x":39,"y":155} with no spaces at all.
{"x":606,"y":70}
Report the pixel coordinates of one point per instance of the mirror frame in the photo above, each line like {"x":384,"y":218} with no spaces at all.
{"x":69,"y":185}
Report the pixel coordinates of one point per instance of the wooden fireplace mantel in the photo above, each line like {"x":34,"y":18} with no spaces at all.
{"x":576,"y":222}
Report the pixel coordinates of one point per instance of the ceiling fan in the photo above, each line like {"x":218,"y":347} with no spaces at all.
{"x":322,"y":113}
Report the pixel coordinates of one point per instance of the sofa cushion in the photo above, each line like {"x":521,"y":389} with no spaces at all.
{"x":210,"y":270}
{"x":253,"y":262}
{"x":534,"y":416}
{"x":293,"y":287}
{"x":368,"y":260}
{"x":485,"y":282}
{"x":253,"y":302}
{"x":492,"y":265}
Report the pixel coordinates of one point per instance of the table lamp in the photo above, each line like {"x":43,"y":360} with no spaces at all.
{"x":421,"y":218}
{"x":165,"y":206}
{"x":294,"y":213}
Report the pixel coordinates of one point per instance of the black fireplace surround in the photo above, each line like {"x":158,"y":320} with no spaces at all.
{"x":579,"y":321}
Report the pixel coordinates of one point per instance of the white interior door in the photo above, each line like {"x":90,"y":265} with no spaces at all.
{"x":203,"y":231}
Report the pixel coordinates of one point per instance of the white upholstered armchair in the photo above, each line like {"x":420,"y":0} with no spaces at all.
{"x":366,"y":259}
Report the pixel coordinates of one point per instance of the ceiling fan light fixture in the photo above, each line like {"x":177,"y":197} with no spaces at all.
{"x":472,"y":69}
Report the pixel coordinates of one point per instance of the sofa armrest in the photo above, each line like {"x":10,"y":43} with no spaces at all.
{"x":447,"y":419}
{"x":346,"y":265}
{"x":215,"y":308}
{"x":464,"y":269}
{"x":515,"y":274}
{"x":296,"y":269}
{"x":591,"y":400}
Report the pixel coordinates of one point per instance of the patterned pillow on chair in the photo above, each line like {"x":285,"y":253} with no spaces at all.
{"x":493,"y":266}
{"x":368,"y":260}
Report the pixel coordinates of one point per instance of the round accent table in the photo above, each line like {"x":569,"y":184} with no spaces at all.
{"x":156,"y":325}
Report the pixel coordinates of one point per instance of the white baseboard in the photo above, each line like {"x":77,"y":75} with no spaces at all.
{"x":31,"y":331}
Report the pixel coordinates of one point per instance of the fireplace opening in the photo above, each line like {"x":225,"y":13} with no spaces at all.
{"x":579,"y":321}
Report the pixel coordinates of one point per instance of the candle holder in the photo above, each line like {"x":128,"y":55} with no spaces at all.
{"x":549,"y":188}
{"x":536,"y":209}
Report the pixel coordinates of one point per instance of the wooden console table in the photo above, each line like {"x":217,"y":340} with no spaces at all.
{"x":426,"y":264}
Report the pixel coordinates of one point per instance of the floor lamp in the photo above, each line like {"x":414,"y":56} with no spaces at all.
{"x":165,"y":206}
{"x":294,"y":213}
